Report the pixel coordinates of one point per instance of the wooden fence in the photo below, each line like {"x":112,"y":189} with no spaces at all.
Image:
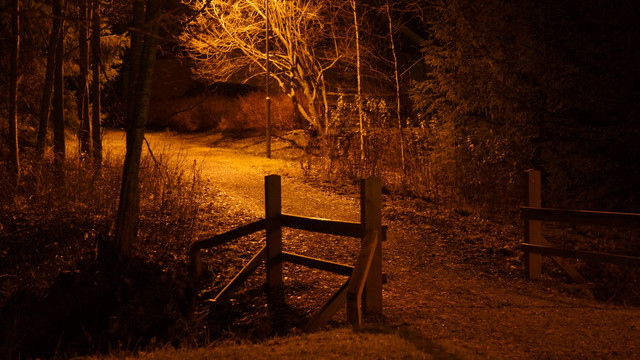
{"x":363,"y":290}
{"x":535,"y":246}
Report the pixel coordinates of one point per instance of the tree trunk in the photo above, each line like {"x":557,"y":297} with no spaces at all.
{"x":308,"y":112}
{"x":47,"y":91}
{"x":83,"y":96}
{"x":13,"y":90}
{"x":134,"y":58}
{"x":397,"y":78}
{"x":359,"y":95}
{"x":58,"y":95}
{"x":325,"y":104}
{"x":144,"y":54}
{"x":266,"y":80}
{"x":95,"y":85}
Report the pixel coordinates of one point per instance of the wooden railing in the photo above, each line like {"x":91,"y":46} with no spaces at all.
{"x":535,"y":245}
{"x":361,"y":293}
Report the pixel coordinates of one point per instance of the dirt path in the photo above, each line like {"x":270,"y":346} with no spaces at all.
{"x":457,"y":285}
{"x":240,"y":175}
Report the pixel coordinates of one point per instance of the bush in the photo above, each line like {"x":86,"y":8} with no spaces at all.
{"x":251,"y":113}
{"x":190,"y":113}
{"x":245,"y":112}
{"x":60,"y":292}
{"x":57,"y":210}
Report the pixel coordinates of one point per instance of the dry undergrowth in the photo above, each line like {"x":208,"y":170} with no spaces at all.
{"x":448,"y":273}
{"x":61,"y":292}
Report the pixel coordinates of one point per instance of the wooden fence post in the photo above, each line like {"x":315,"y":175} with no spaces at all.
{"x":371,"y":220}
{"x":273,"y":209}
{"x":196,"y":262}
{"x":533,"y":228}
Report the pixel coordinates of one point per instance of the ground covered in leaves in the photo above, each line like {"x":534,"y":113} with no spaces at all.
{"x":452,"y":279}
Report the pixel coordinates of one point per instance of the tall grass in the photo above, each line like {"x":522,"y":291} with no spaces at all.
{"x":61,"y":292}
{"x":55,"y":219}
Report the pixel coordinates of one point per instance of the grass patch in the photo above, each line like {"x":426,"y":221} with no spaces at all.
{"x":332,"y":344}
{"x":61,"y":294}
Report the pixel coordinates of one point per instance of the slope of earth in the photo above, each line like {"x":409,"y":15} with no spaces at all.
{"x":452,"y":280}
{"x":339,"y":344}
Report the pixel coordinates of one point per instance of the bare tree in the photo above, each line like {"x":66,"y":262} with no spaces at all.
{"x":397,"y":82}
{"x":58,"y":94}
{"x":359,"y":88}
{"x":226,"y":40}
{"x":13,"y":89}
{"x":47,"y":92}
{"x":83,"y":62}
{"x":95,"y":84}
{"x":142,"y":54}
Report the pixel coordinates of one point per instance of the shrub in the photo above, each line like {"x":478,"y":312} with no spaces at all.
{"x":245,"y":112}
{"x":251,"y":112}
{"x":59,"y":286}
{"x":189,"y":113}
{"x":49,"y":225}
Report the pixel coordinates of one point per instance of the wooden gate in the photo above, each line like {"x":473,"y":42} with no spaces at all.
{"x":363,"y":290}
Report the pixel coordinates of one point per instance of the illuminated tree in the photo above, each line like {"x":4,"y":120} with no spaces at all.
{"x":359,"y":78}
{"x":95,"y":84}
{"x":226,"y":40}
{"x":397,"y":81}
{"x":83,"y":93}
{"x":59,"y":146}
{"x":13,"y":89}
{"x":47,"y":92}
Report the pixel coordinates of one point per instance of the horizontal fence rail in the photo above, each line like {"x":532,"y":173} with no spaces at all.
{"x":319,"y":264}
{"x":584,"y":255}
{"x":324,"y":226}
{"x":220,"y":239}
{"x":613,"y":219}
{"x":535,"y":245}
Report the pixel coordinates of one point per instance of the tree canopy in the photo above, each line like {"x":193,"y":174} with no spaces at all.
{"x":227,"y":41}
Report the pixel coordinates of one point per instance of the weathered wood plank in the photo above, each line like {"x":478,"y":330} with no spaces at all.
{"x":584,"y":255}
{"x":229,"y":235}
{"x":327,"y":226}
{"x":244,"y":274}
{"x":194,"y":250}
{"x":195,"y":262}
{"x":533,"y":228}
{"x":335,"y":303}
{"x":371,"y":219}
{"x":564,"y":265}
{"x":319,"y":264}
{"x":359,"y":278}
{"x":582,"y":217}
{"x":273,"y":211}
{"x":324,"y":226}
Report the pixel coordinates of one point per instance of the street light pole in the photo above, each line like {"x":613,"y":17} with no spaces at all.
{"x":268,"y":100}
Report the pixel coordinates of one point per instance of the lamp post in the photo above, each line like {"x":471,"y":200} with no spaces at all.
{"x":268,"y":100}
